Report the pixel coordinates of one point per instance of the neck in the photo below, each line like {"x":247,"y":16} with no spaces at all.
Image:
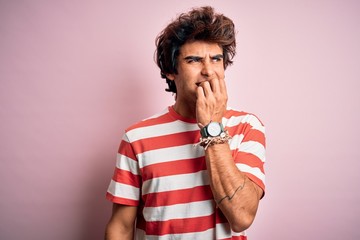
{"x":185,"y":109}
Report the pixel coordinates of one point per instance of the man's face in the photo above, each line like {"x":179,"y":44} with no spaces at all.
{"x":197,"y":62}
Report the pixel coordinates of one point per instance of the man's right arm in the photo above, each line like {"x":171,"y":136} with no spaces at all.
{"x":122,"y":223}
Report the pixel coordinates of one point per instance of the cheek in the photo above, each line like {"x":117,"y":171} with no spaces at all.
{"x":220,"y":72}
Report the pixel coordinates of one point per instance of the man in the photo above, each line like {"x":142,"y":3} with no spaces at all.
{"x":194,"y":171}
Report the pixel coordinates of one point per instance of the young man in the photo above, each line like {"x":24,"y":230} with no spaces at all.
{"x":194,"y":171}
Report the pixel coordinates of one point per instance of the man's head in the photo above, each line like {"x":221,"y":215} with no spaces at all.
{"x":200,"y":24}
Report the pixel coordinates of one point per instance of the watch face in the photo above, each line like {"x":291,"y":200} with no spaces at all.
{"x":214,"y":129}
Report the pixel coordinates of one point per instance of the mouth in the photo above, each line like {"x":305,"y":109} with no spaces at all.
{"x":199,"y":83}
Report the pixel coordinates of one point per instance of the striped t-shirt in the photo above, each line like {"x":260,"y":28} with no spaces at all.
{"x":159,"y":169}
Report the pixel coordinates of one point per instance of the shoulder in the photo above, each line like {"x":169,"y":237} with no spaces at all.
{"x":235,"y":117}
{"x":149,"y":127}
{"x":155,"y":119}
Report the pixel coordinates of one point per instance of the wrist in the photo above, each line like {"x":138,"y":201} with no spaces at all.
{"x":213,"y":129}
{"x":206,"y":142}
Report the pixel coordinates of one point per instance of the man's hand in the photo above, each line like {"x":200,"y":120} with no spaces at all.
{"x":211,"y":101}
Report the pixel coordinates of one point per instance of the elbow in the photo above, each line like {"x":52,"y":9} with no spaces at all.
{"x":243,"y":223}
{"x":240,"y":227}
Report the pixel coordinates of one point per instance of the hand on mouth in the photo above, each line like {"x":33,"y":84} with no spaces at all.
{"x":201,"y":82}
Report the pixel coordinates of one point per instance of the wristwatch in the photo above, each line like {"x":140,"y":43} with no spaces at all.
{"x":213,"y":129}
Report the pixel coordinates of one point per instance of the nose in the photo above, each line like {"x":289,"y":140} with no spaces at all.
{"x":207,"y":69}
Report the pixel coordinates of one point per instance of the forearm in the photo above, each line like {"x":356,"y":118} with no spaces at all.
{"x":243,"y":196}
{"x":116,"y":231}
{"x":122,"y":223}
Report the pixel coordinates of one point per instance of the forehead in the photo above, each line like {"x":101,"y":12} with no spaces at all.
{"x":200,"y":48}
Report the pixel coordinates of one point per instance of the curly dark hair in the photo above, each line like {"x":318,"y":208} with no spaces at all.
{"x":200,"y":24}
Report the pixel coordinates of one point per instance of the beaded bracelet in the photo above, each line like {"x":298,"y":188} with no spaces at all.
{"x":210,"y":141}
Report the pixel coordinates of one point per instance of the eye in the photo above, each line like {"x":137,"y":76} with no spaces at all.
{"x":217,"y":59}
{"x":193,"y":59}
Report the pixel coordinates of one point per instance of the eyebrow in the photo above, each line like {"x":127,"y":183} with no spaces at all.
{"x":193,"y":58}
{"x":217,"y":56}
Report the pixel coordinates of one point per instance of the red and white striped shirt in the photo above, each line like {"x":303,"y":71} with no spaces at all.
{"x":159,"y":169}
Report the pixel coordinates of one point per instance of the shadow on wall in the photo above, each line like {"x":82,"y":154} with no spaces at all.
{"x":132,"y":105}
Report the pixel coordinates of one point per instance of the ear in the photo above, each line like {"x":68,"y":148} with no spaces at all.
{"x":170,"y":76}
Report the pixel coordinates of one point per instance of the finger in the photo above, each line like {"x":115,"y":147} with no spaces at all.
{"x":222,"y":86}
{"x":207,"y":88}
{"x":200,"y":93}
{"x":214,"y":84}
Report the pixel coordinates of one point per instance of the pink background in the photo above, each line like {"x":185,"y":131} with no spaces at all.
{"x":74,"y":74}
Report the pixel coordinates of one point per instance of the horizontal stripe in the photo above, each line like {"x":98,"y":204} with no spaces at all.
{"x":253,"y":121}
{"x":234,"y":113}
{"x":123,"y":190}
{"x":126,"y":149}
{"x":191,"y":230}
{"x":169,"y":154}
{"x":127,"y":164}
{"x":180,"y":226}
{"x":166,"y":141}
{"x":120,"y":200}
{"x":235,"y":141}
{"x":208,"y":234}
{"x":179,"y":211}
{"x":253,"y":170}
{"x":161,"y":130}
{"x":250,"y":160}
{"x":172,"y":183}
{"x":126,"y":177}
{"x":158,"y":115}
{"x":254,"y":148}
{"x":173,"y":168}
{"x":194,"y":194}
{"x":162,"y":117}
{"x":235,"y":238}
{"x":259,"y":128}
{"x":255,"y":135}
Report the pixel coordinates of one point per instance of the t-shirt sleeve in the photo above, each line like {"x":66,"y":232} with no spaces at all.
{"x":250,"y":155}
{"x":124,"y":187}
